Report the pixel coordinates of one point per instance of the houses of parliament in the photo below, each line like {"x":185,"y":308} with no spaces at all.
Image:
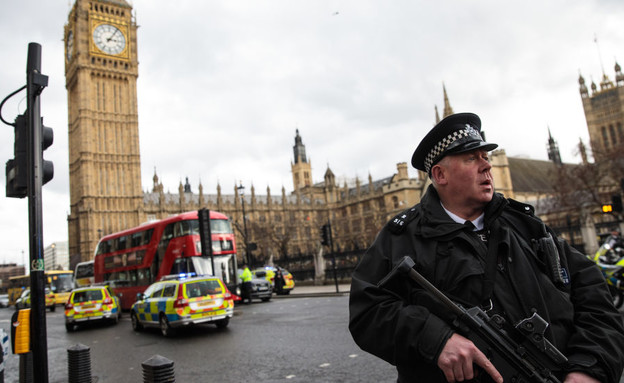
{"x":106,"y":195}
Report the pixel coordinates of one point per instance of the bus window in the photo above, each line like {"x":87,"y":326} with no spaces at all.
{"x":147,"y":236}
{"x":83,"y":275}
{"x":182,"y":266}
{"x":220,"y":226}
{"x":137,"y":239}
{"x":168,"y":232}
{"x":143,"y":277}
{"x":162,"y":248}
{"x":182,"y":228}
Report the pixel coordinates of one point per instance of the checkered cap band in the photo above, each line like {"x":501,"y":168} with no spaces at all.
{"x":443,"y":144}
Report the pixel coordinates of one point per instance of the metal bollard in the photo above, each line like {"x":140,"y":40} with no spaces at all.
{"x":79,"y":364}
{"x":26,"y":368}
{"x":158,"y":369}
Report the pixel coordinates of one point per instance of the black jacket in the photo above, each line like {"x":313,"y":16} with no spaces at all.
{"x":408,"y":328}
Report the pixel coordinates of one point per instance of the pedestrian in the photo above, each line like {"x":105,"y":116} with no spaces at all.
{"x":279,"y":281}
{"x":480,"y":249}
{"x":245,"y":277}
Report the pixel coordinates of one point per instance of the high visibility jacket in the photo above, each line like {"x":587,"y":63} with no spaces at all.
{"x":246,"y":275}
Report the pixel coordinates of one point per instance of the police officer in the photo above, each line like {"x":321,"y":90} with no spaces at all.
{"x":480,"y":249}
{"x":246,"y":283}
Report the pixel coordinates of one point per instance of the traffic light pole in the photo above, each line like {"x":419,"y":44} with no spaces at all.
{"x":35,"y":84}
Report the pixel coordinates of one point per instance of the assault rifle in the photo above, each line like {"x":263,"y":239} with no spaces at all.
{"x":533,"y":359}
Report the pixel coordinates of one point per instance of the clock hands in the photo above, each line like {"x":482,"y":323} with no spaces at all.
{"x":113,"y":35}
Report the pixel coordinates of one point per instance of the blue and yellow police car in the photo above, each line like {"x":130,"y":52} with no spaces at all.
{"x":89,"y":304}
{"x":183,"y":300}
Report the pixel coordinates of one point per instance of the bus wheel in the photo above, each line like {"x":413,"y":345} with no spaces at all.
{"x":165,"y":327}
{"x":136,"y":325}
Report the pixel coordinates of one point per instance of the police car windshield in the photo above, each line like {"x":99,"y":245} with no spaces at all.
{"x":88,"y":295}
{"x":203,"y":288}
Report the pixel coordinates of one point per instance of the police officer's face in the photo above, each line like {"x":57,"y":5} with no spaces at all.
{"x":466,"y":179}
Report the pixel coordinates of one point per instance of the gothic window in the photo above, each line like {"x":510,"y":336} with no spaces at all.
{"x":612,"y":135}
{"x":395,"y":202}
{"x":605,"y":138}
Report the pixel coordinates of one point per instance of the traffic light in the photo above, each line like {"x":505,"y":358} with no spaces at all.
{"x":205,"y":234}
{"x":17,"y":168}
{"x":47,"y":138}
{"x":326,"y":235}
{"x":616,"y":201}
{"x":607,"y":208}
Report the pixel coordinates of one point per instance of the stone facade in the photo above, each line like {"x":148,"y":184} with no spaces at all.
{"x":101,"y":70}
{"x":604,"y":112}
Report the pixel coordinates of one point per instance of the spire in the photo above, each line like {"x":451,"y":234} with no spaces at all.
{"x":447,"y":105}
{"x":437,"y":115}
{"x":582,"y":86}
{"x":553,"y":149}
{"x":583,"y":151}
{"x":619,"y":77}
{"x":299,"y":149}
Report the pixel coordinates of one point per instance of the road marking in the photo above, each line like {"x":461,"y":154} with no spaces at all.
{"x":290,"y":376}
{"x":325,"y":365}
{"x":353,"y":356}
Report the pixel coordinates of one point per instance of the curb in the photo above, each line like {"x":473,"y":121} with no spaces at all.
{"x":311,"y":295}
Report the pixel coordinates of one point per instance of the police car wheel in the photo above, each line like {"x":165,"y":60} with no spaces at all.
{"x":222,"y":323}
{"x":52,"y":308}
{"x":136,"y":325}
{"x":70,"y":327}
{"x":165,"y":328}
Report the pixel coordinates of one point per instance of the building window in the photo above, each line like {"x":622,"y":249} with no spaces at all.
{"x":612,"y":134}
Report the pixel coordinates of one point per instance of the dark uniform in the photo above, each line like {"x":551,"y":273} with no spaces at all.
{"x":408,"y":328}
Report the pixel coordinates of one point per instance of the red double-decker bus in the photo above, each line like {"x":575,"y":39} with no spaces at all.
{"x":133,"y":259}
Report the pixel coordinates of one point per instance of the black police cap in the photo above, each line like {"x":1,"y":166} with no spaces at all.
{"x":457,"y":133}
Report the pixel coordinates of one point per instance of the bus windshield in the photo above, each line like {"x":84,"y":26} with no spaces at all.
{"x":190,"y":227}
{"x":61,"y":283}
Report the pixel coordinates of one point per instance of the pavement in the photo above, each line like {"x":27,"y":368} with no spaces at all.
{"x":304,"y":291}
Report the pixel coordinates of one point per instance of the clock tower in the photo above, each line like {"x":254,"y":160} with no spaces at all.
{"x":101,"y":70}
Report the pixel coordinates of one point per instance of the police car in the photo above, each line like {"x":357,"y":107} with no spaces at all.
{"x":88,"y":304}
{"x":23,"y":301}
{"x":268,"y":273}
{"x":183,"y":300}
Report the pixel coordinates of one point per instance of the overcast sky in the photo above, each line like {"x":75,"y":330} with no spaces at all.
{"x":223,"y":85}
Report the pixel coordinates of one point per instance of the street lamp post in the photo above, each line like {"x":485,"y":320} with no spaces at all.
{"x":241,"y":192}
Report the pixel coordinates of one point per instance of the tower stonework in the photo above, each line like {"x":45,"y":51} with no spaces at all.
{"x":101,"y":70}
{"x":301,"y":167}
{"x":604,"y":113}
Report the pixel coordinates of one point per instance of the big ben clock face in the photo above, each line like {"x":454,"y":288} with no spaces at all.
{"x":109,"y":39}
